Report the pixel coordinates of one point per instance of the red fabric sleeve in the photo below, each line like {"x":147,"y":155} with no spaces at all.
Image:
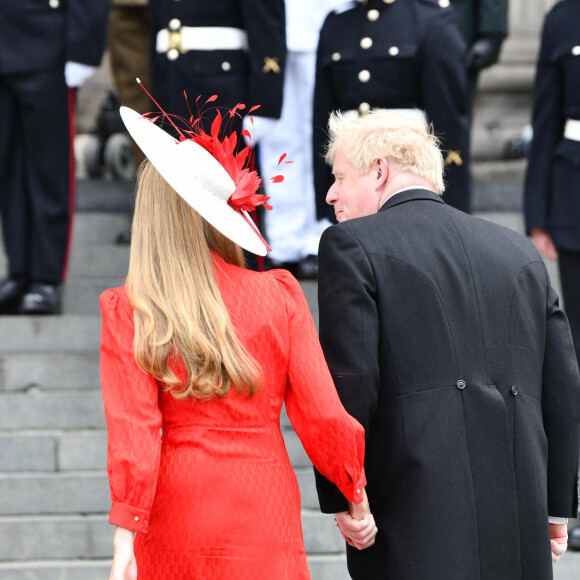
{"x":333,"y":440}
{"x":133,"y":417}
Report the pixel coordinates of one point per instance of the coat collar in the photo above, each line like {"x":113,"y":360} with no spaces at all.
{"x":410,"y":195}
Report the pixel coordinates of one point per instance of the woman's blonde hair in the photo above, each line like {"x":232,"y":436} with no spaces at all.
{"x":405,"y":141}
{"x":177,"y":305}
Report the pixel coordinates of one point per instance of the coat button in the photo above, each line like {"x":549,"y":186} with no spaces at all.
{"x":394,"y":50}
{"x":514,"y":391}
{"x":576,"y":50}
{"x":226,"y":66}
{"x":336,"y":56}
{"x":54,"y":4}
{"x":174,"y":24}
{"x":444,"y":3}
{"x":461,"y":384}
{"x":364,"y":109}
{"x":373,"y":15}
{"x":366,"y":42}
{"x":364,"y":76}
{"x":173,"y":54}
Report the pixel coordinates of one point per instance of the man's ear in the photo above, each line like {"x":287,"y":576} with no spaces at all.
{"x":382,"y":168}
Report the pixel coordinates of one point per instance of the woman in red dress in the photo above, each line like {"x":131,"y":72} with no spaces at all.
{"x":198,"y":354}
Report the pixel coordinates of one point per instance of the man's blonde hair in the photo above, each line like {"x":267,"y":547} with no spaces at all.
{"x":405,"y":141}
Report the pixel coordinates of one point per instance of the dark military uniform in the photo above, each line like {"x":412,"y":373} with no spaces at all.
{"x":552,"y":190}
{"x":251,"y":74}
{"x":37,"y":38}
{"x":400,"y":54}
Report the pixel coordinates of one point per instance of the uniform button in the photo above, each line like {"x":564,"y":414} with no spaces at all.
{"x":373,"y":15}
{"x":388,"y":1}
{"x":576,"y":50}
{"x":514,"y":391}
{"x":336,"y":56}
{"x":174,"y":24}
{"x":136,"y":518}
{"x":461,"y":384}
{"x":394,"y":50}
{"x":364,"y":76}
{"x":173,"y":54}
{"x":366,"y":42}
{"x":54,"y":4}
{"x":444,"y":3}
{"x":226,"y":66}
{"x":364,"y":108}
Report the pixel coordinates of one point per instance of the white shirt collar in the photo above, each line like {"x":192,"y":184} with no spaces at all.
{"x":405,"y":189}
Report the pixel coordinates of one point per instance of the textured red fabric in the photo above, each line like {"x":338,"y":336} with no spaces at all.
{"x":215,"y":493}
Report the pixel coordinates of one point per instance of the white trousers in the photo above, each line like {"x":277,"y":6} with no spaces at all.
{"x":291,"y":227}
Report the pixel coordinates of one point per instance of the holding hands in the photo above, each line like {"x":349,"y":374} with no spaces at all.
{"x":558,"y":540}
{"x":124,"y":564}
{"x":357,"y":526}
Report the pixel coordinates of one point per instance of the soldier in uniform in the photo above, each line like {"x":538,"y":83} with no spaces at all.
{"x":483,"y":24}
{"x":552,"y":187}
{"x":235,"y":49}
{"x":395,"y":54}
{"x":45,"y":46}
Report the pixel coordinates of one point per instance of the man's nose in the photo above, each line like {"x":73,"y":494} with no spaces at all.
{"x":331,"y":196}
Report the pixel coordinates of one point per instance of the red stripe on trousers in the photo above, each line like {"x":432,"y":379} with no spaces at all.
{"x":72,"y":179}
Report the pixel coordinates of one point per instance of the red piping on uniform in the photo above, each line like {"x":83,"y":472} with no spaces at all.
{"x":72,"y":178}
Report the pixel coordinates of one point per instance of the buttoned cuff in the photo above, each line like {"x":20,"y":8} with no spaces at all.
{"x":354,"y":491}
{"x":129,"y":517}
{"x":554,"y":520}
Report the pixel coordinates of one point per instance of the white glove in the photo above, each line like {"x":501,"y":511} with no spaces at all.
{"x":75,"y":73}
{"x":258,"y":129}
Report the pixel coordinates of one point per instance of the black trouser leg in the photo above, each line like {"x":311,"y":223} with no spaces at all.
{"x":569,"y":264}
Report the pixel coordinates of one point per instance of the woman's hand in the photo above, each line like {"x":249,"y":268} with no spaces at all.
{"x":357,"y":527}
{"x":124,"y":564}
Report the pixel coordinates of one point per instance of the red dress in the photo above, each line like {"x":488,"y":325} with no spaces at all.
{"x":215,"y":496}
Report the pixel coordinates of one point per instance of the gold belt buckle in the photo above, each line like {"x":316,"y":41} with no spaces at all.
{"x":175,"y":41}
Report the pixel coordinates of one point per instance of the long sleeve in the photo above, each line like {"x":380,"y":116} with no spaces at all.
{"x":492,"y":17}
{"x":349,"y":332}
{"x":548,"y":124}
{"x":86,"y":30}
{"x":333,"y":440}
{"x":133,"y":417}
{"x":561,"y":411}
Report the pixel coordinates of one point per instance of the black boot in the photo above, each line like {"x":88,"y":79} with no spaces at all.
{"x":11,"y":292}
{"x":41,"y":299}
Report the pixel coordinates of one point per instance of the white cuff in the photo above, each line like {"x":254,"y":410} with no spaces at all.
{"x":75,"y":73}
{"x":554,"y":520}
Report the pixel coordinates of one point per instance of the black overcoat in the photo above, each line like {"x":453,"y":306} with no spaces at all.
{"x":445,"y":340}
{"x":552,"y":190}
{"x":254,"y":76}
{"x":399,"y":55}
{"x":479,"y":18}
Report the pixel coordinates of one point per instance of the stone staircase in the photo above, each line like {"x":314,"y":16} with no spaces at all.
{"x":54,"y":495}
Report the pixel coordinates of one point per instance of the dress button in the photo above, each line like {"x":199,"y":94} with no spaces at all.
{"x":461,"y":384}
{"x":364,"y":109}
{"x":373,"y":15}
{"x":394,"y":50}
{"x":174,"y":24}
{"x":576,"y":50}
{"x":336,"y":56}
{"x":444,"y":3}
{"x":514,"y":391}
{"x":366,"y":42}
{"x":173,"y":54}
{"x":136,"y":518}
{"x":364,"y":76}
{"x":358,"y":490}
{"x":54,"y":4}
{"x":226,"y":66}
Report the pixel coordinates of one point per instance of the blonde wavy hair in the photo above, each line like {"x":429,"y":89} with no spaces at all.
{"x":177,"y":305}
{"x":405,"y":141}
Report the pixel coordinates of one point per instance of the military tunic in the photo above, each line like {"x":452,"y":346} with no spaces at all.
{"x":252,"y":75}
{"x":401,"y":54}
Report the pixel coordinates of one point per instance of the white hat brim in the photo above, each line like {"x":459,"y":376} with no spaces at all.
{"x":196,"y":176}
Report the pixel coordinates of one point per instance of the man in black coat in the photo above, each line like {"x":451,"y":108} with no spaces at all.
{"x":445,"y":340}
{"x":45,"y":45}
{"x":401,"y":54}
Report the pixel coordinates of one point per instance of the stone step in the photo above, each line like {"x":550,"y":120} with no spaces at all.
{"x":49,"y":370}
{"x":59,"y":450}
{"x":95,"y":227}
{"x":69,"y":333}
{"x":38,"y":409}
{"x":81,"y":295}
{"x":90,"y":537}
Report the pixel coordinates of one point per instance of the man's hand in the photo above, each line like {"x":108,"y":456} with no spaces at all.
{"x":558,"y":540}
{"x":483,"y":53}
{"x":543,"y":242}
{"x":357,"y":526}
